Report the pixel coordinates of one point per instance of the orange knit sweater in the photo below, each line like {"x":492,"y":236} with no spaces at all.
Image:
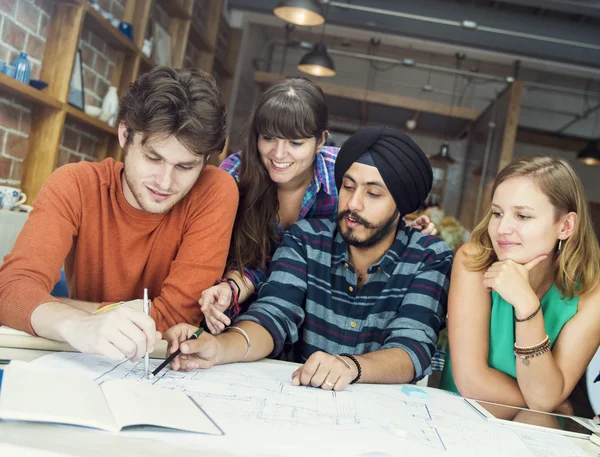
{"x":111,"y":251}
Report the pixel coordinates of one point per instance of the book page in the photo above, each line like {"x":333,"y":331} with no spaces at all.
{"x":141,"y":403}
{"x":34,"y":394}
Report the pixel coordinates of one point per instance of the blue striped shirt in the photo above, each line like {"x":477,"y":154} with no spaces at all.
{"x":311,"y":295}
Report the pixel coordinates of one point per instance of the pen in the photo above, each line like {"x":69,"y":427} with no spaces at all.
{"x":175,"y":354}
{"x":147,"y":312}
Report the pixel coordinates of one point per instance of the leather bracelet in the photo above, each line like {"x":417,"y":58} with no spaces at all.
{"x":531,"y":316}
{"x":358,"y":369}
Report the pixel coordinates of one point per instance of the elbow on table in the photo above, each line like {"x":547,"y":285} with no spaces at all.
{"x":468,"y":382}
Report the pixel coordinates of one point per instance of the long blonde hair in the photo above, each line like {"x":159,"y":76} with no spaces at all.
{"x":577,"y":264}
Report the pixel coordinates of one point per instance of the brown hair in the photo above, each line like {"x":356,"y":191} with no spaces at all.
{"x":294,"y":108}
{"x":185,"y":103}
{"x":577,"y":265}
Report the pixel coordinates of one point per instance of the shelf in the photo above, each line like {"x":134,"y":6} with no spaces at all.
{"x":90,"y":121}
{"x":176,"y":8}
{"x":104,"y":29}
{"x":14,"y":87}
{"x":198,"y":38}
{"x":147,"y":61}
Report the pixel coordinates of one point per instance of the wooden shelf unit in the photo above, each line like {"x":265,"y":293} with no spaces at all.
{"x":71,"y":17}
{"x":105,"y":30}
{"x":79,"y":116}
{"x":13,"y":87}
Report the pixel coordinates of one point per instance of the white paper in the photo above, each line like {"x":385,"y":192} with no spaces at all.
{"x":261,"y":413}
{"x":34,"y":394}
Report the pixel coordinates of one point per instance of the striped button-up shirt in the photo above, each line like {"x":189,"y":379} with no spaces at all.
{"x":311,"y":295}
{"x":320,"y":199}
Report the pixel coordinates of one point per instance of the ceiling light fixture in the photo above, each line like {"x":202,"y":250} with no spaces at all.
{"x":589,"y":155}
{"x":318,"y":62}
{"x":300,"y":12}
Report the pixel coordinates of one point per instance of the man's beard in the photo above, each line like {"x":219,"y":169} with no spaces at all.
{"x":380,"y":230}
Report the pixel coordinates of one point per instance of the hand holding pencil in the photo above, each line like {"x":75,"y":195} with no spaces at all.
{"x":186,"y":354}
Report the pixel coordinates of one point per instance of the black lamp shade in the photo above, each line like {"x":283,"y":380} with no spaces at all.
{"x":444,"y":154}
{"x":590,"y":154}
{"x":317,"y":62}
{"x":300,"y":12}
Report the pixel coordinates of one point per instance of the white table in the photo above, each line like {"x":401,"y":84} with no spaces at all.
{"x":83,"y":442}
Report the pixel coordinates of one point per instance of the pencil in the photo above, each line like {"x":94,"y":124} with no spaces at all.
{"x":175,"y":354}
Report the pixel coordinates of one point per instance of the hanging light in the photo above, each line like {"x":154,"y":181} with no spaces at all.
{"x":444,"y":154}
{"x":590,"y":154}
{"x":300,"y":12}
{"x":317,"y":62}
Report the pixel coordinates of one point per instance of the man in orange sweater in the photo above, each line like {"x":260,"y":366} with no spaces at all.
{"x":162,"y":221}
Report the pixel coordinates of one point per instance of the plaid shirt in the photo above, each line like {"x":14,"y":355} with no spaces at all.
{"x":311,"y":295}
{"x":320,"y":200}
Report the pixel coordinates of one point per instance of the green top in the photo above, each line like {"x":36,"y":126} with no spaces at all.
{"x":556,"y":311}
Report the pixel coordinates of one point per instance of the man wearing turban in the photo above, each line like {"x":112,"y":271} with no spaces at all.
{"x":364,"y":296}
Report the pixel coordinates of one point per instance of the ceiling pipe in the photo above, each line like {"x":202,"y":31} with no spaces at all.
{"x":465,"y":24}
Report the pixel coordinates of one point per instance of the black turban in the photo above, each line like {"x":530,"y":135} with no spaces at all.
{"x":403,"y":165}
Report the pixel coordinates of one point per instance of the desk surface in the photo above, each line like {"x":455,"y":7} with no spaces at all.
{"x":74,"y":441}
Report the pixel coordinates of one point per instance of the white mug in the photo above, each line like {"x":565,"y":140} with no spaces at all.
{"x":11,"y":197}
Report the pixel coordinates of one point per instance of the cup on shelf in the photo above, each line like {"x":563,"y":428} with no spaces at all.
{"x":94,"y":111}
{"x":11,"y":197}
{"x":10,"y":70}
{"x":126,"y":29}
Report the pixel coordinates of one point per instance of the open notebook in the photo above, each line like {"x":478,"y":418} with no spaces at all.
{"x":35,"y":394}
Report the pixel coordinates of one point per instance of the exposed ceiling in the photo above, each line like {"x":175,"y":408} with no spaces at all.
{"x":553,"y":30}
{"x":520,"y":30}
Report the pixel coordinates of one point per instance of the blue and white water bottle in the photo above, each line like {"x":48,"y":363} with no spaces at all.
{"x":21,"y":63}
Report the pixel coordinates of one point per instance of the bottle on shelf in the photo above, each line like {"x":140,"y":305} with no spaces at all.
{"x":110,"y":107}
{"x":23,"y":68}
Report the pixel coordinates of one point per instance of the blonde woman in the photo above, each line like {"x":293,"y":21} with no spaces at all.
{"x":524,"y":301}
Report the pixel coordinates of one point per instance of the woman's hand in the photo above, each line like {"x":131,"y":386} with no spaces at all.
{"x":511,"y":281}
{"x":423,"y":224}
{"x":214,"y":301}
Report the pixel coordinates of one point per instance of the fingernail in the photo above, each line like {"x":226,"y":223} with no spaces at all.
{"x":184,"y":347}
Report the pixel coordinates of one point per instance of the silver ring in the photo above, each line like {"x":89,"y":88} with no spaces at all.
{"x":329,"y":384}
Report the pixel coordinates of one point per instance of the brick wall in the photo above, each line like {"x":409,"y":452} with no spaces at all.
{"x":23,"y":26}
{"x":79,"y":142}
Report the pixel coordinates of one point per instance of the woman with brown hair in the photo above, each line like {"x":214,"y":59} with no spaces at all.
{"x":285,"y":174}
{"x":524,"y":302}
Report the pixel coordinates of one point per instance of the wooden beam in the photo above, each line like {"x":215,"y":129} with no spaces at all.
{"x":515,"y":95}
{"x":211,"y":28}
{"x":381,"y":98}
{"x":179,"y":30}
{"x":137,"y":13}
{"x":61,"y":46}
{"x":44,"y":139}
{"x":550,"y":140}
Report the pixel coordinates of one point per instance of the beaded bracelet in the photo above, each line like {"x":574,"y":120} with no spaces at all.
{"x":527,"y":352}
{"x":235,"y":303}
{"x":535,"y":347}
{"x":358,"y":369}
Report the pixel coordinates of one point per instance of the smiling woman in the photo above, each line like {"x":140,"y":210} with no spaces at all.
{"x":531,"y":323}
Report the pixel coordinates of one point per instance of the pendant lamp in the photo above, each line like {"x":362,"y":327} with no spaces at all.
{"x":300,"y":12}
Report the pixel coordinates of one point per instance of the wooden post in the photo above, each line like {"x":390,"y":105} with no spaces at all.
{"x":515,"y":95}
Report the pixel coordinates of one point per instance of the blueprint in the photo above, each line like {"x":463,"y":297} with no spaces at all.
{"x":261,"y":412}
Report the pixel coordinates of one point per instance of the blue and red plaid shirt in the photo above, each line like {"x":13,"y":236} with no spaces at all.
{"x":320,"y":200}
